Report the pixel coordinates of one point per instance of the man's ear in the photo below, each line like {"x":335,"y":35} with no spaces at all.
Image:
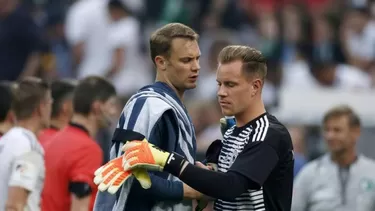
{"x":356,"y":131}
{"x":257,"y":86}
{"x":39,"y":110}
{"x":95,"y":107}
{"x":11,"y":117}
{"x":161,"y":63}
{"x":66,"y":107}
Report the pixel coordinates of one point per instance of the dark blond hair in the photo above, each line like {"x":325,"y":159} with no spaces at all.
{"x":253,"y":61}
{"x":343,"y":110}
{"x":29,"y":93}
{"x":89,"y":90}
{"x":161,"y":39}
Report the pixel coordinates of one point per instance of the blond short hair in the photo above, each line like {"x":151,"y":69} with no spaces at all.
{"x":161,"y":39}
{"x":343,"y":110}
{"x":28,"y":94}
{"x":254,"y":63}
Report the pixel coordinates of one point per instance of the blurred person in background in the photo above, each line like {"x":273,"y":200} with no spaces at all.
{"x":7,"y":118}
{"x":19,"y":41}
{"x":59,"y":47}
{"x":269,"y":33}
{"x":128,"y":71}
{"x":292,"y":33}
{"x":62,"y":109}
{"x":324,"y":45}
{"x":327,"y":74}
{"x":87,"y":29}
{"x":21,"y":155}
{"x":207,"y":85}
{"x":72,"y":155}
{"x":358,"y":38}
{"x":343,"y":179}
{"x":211,"y":114}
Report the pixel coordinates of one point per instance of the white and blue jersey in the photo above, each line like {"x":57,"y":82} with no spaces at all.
{"x":157,"y":113}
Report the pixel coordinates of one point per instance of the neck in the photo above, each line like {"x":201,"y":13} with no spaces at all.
{"x":161,"y":78}
{"x":59,"y":122}
{"x":344,"y":159}
{"x":5,"y":127}
{"x":251,"y":113}
{"x":86,"y":122}
{"x":30,"y":124}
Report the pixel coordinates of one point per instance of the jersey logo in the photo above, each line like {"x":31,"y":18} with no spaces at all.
{"x":21,"y":168}
{"x":367,"y":185}
{"x":231,"y":157}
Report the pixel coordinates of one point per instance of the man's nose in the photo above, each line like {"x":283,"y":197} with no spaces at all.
{"x":196,"y":66}
{"x":221,"y":92}
{"x":329,"y":135}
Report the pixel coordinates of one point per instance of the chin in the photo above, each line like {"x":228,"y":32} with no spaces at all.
{"x":191,"y":86}
{"x":46,"y":125}
{"x":226,"y":112}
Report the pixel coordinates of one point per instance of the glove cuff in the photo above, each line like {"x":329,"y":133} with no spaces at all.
{"x":174,"y":164}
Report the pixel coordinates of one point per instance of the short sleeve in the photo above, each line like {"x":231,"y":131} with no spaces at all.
{"x":26,"y":170}
{"x":256,"y":162}
{"x":85,"y":163}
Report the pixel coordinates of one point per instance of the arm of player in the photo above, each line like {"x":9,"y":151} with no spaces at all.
{"x":80,"y":204}
{"x":23,"y":179}
{"x":162,"y":189}
{"x":17,"y":198}
{"x":301,"y":192}
{"x":81,"y":177}
{"x":250,"y":170}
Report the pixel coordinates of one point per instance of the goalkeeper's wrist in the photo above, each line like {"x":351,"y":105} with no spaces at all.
{"x":175,"y":164}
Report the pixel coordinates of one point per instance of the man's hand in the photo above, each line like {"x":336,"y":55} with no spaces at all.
{"x":201,"y":165}
{"x":226,"y":123}
{"x":111,"y":176}
{"x":141,"y":154}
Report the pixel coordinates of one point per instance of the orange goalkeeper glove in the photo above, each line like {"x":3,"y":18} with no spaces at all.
{"x":141,"y":154}
{"x":112,"y":175}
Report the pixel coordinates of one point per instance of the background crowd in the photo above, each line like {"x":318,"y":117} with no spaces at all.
{"x":320,"y":53}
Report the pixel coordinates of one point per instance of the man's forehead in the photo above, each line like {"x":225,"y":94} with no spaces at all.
{"x":185,"y":47}
{"x":340,"y":120}
{"x":232,"y":68}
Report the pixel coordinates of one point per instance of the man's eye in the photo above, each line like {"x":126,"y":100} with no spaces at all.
{"x":186,"y":60}
{"x":231,"y":84}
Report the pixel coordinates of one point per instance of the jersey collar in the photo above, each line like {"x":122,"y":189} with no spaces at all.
{"x":80,"y":127}
{"x":53,"y":127}
{"x":253,"y":123}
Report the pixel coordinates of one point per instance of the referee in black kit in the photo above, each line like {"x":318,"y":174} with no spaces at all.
{"x":255,"y":164}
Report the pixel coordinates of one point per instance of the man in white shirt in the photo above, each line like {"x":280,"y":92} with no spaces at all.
{"x":21,"y":155}
{"x":358,"y":35}
{"x":342,"y":179}
{"x":129,"y":71}
{"x":88,"y":27}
